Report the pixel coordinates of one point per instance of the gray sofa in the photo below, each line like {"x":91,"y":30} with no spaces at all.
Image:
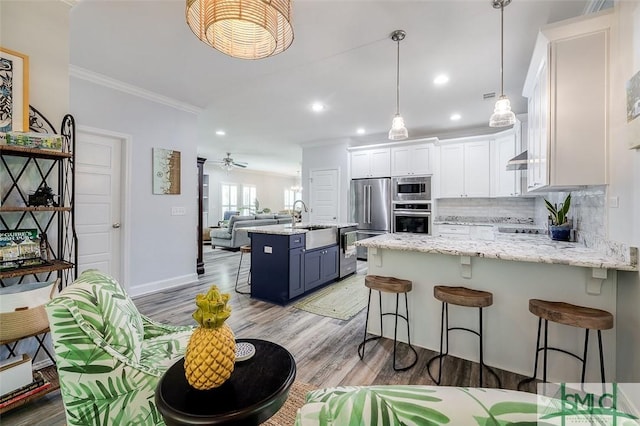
{"x":233,"y":236}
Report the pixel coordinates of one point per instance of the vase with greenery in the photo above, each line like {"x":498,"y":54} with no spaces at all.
{"x":559,"y":225}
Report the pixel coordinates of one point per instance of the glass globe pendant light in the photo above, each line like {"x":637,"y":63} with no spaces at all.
{"x":398,"y":130}
{"x":502,"y":115}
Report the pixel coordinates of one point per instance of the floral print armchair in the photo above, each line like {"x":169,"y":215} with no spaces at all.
{"x":109,"y":357}
{"x":417,"y":405}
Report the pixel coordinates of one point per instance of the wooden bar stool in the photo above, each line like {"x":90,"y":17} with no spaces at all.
{"x":573,"y":315}
{"x":243,"y":250}
{"x":389,"y":285}
{"x":460,"y":296}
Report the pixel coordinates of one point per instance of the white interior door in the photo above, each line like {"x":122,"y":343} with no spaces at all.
{"x":98,"y":202}
{"x":323,"y":200}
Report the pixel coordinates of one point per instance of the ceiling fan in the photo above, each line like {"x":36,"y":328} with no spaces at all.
{"x":229,"y":163}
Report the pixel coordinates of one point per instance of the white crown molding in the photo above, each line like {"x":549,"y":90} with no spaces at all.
{"x":103,"y":80}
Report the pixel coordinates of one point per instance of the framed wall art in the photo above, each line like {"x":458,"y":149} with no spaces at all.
{"x":166,"y":171}
{"x":14,"y":90}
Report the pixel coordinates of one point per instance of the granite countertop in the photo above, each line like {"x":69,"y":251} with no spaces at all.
{"x":516,"y":247}
{"x":289,"y":229}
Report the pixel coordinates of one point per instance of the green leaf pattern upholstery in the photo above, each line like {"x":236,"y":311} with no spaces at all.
{"x":418,"y":406}
{"x":109,"y":356}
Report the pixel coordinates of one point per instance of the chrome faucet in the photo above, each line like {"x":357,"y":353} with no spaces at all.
{"x":293,"y":209}
{"x":303,"y":205}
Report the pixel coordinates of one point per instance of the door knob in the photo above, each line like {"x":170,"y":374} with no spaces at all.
{"x":116,"y":225}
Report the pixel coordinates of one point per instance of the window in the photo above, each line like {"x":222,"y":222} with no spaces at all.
{"x":229,"y":197}
{"x":289,"y":197}
{"x":249,"y":199}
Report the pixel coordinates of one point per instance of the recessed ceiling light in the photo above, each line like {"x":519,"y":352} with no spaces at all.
{"x":317,"y":107}
{"x":455,"y":117}
{"x":220,"y":132}
{"x":360,"y":131}
{"x":441,"y":79}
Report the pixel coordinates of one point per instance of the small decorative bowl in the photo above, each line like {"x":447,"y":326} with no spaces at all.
{"x":244,"y":351}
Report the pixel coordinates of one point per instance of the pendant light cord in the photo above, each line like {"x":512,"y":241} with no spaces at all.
{"x":398,"y":79}
{"x":502,"y":48}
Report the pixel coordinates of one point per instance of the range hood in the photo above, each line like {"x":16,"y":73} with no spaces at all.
{"x":519,"y":162}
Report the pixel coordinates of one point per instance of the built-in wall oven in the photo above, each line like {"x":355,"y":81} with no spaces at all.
{"x":411,"y":189}
{"x":412,"y":217}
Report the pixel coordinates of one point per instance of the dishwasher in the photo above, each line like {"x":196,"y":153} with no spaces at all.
{"x":348,"y":255}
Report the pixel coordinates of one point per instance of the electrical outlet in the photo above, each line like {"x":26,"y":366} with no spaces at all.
{"x":178,"y":211}
{"x":268,"y":249}
{"x":614,"y":202}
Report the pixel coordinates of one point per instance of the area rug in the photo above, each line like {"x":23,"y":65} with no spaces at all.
{"x":286,"y":416}
{"x":341,"y":300}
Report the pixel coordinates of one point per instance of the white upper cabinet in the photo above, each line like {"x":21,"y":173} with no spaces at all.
{"x":477,"y":166}
{"x":452,"y":171}
{"x":567,"y":87}
{"x":465,"y":168}
{"x":411,"y":160}
{"x":505,"y":146}
{"x":368,"y":163}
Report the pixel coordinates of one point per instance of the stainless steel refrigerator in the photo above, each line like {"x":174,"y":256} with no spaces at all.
{"x":370,"y":208}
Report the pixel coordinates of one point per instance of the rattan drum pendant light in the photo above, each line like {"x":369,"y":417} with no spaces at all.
{"x":502,"y":114}
{"x":245,"y":29}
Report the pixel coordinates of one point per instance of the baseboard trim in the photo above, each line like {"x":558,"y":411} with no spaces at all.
{"x":155,"y":286}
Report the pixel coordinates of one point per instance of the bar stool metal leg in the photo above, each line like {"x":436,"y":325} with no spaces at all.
{"x":395,"y":334}
{"x":444,"y":318}
{"x":444,"y":332}
{"x":601,"y":356}
{"x":544,"y":354}
{"x":361,"y":346}
{"x":481,"y":356}
{"x":238,"y":275}
{"x":584,"y":355}
{"x":535,"y":362}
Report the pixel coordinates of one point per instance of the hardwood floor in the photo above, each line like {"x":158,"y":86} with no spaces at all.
{"x":325,"y":349}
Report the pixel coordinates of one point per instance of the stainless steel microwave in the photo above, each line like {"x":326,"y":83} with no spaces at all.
{"x":411,"y":188}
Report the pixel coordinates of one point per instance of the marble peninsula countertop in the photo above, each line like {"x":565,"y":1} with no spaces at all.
{"x":523,"y":248}
{"x":289,"y":229}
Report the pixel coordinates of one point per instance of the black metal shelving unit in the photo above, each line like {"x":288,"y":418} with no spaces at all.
{"x":22,"y":167}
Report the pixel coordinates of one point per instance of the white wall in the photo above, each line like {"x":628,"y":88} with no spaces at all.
{"x":624,"y":178}
{"x":269,"y":188}
{"x":40,"y":30}
{"x":332,"y":155}
{"x":163,"y":247}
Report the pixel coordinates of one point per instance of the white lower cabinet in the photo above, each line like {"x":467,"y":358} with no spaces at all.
{"x":477,"y":232}
{"x":447,"y":230}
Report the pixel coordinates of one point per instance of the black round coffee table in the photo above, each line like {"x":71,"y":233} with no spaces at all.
{"x":256,"y":390}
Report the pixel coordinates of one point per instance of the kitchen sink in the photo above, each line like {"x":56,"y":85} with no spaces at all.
{"x":316,"y":227}
{"x":320,"y":236}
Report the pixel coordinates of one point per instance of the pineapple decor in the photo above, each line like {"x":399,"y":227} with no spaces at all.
{"x":211,"y":353}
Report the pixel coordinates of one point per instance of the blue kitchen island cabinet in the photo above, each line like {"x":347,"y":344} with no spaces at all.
{"x":320,"y":267}
{"x":282,"y":270}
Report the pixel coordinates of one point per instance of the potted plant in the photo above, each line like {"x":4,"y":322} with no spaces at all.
{"x":559,"y":226}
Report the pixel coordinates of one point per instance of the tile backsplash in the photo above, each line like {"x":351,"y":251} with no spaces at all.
{"x":489,"y":210}
{"x":589,"y":214}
